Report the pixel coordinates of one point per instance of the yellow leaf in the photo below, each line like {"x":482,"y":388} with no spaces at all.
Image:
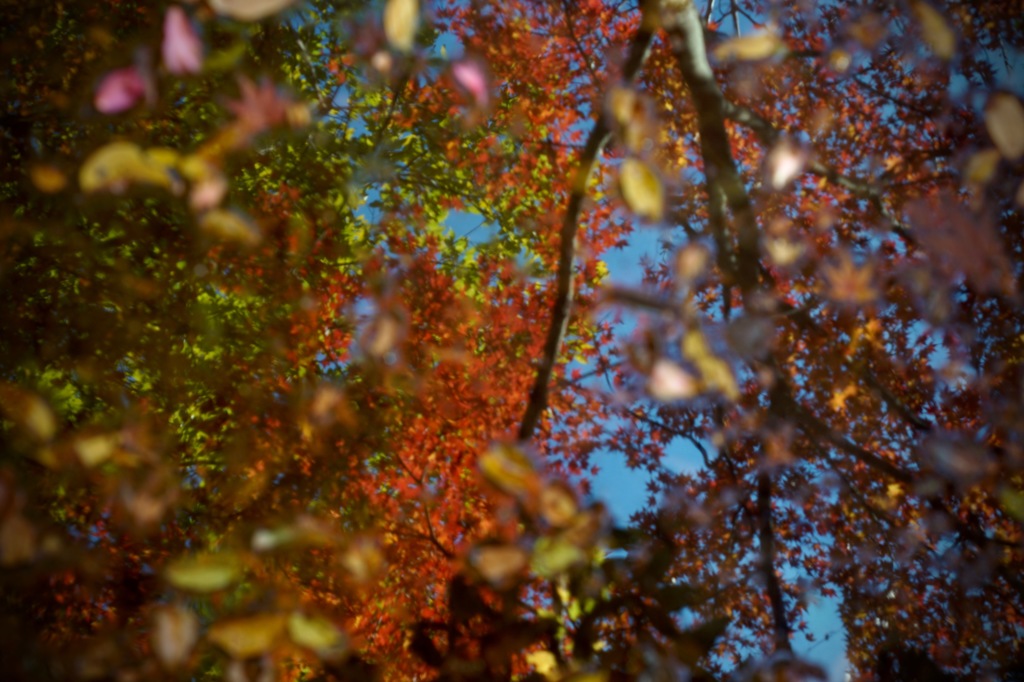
{"x":838,"y":400}
{"x":783,"y":252}
{"x":714,"y":371}
{"x":119,"y":164}
{"x":317,"y":634}
{"x":622,"y":104}
{"x":642,"y":189}
{"x":204,"y":572}
{"x":249,"y":10}
{"x":248,"y":637}
{"x":936,"y":32}
{"x":1004,"y":118}
{"x":228,"y":226}
{"x":544,"y":663}
{"x":510,"y":469}
{"x":48,"y":179}
{"x":401,"y":19}
{"x":174,"y":634}
{"x":95,"y":449}
{"x":753,"y":47}
{"x":553,"y":556}
{"x":28,"y":411}
{"x":981,"y":167}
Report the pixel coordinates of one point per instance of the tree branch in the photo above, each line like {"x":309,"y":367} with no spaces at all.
{"x":766,"y":538}
{"x":562,"y":305}
{"x":724,"y":185}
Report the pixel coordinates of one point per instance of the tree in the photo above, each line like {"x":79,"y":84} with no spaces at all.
{"x":273,"y":408}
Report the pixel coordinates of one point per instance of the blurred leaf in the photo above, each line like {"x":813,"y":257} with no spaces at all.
{"x":95,"y":449}
{"x":510,"y":469}
{"x":752,"y":47}
{"x":174,"y":634}
{"x":401,"y":19}
{"x":642,"y":189}
{"x":181,"y":49}
{"x":202,"y":573}
{"x":249,"y":10}
{"x":243,"y":638}
{"x":317,"y":634}
{"x":28,"y":411}
{"x":935,"y":30}
{"x":558,"y":504}
{"x":1004,"y":118}
{"x":499,"y":564}
{"x":119,"y":164}
{"x":17,"y":540}
{"x":668,"y":381}
{"x":363,"y":558}
{"x":230,"y":227}
{"x":47,"y":178}
{"x":553,"y":556}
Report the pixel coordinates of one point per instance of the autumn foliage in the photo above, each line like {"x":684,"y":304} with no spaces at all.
{"x":312,"y":346}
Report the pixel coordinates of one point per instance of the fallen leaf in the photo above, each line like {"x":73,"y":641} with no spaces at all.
{"x":363,"y":559}
{"x":1004,"y":118}
{"x":181,"y":49}
{"x":46,"y":178}
{"x":230,"y":227}
{"x":117,"y":165}
{"x":510,"y":469}
{"x":470,"y":75}
{"x":784,"y":163}
{"x":401,"y":19}
{"x":243,"y":638}
{"x":174,"y":635}
{"x":981,"y":167}
{"x":249,"y":10}
{"x":668,"y":381}
{"x":17,"y":540}
{"x":642,"y":189}
{"x":94,"y":449}
{"x":120,"y":90}
{"x":499,"y":564}
{"x":203,"y":573}
{"x":558,"y":504}
{"x":752,"y":47}
{"x":553,"y":556}
{"x":317,"y":634}
{"x":936,"y":32}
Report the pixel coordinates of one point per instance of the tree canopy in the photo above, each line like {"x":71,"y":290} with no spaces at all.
{"x":311,"y":346}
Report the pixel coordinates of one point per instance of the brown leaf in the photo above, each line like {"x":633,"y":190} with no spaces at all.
{"x":1004,"y":118}
{"x":936,"y":32}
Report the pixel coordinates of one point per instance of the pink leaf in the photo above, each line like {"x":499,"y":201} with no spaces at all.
{"x":470,"y":75}
{"x":120,"y":90}
{"x":182,"y":49}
